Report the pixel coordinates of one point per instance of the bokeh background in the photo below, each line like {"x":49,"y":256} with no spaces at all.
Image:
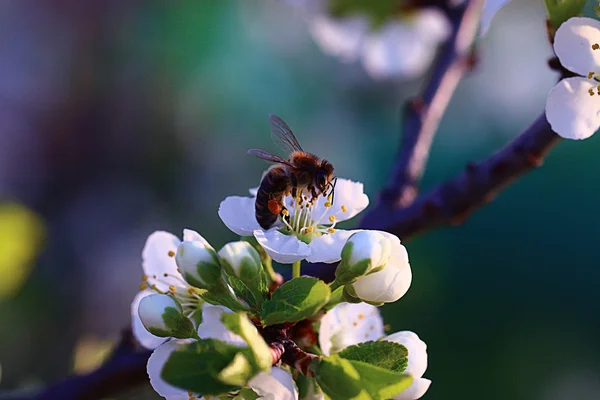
{"x":118,"y":118}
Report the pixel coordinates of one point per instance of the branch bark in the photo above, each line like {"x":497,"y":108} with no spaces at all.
{"x":422,"y":115}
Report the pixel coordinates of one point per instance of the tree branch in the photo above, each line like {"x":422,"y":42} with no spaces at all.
{"x":452,"y":202}
{"x":422,"y":115}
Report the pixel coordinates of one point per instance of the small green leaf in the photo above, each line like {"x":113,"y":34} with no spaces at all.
{"x":205,"y":367}
{"x":308,"y":389}
{"x":295,"y":300}
{"x":241,"y":325}
{"x":351,"y":379}
{"x":254,"y":295}
{"x":561,"y":10}
{"x":248,"y":394}
{"x":384,"y":354}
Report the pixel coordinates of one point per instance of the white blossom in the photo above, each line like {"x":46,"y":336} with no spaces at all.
{"x":310,"y":234}
{"x":349,"y":324}
{"x":573,"y":105}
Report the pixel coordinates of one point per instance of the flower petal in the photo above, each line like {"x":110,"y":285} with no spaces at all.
{"x":347,"y":324}
{"x":284,"y":249}
{"x":417,"y":352}
{"x":193,"y":236}
{"x":405,"y":48}
{"x":415,"y":391}
{"x":154,"y":368}
{"x":349,"y":194}
{"x":144,"y":337}
{"x":213,"y":328}
{"x":278,"y":385}
{"x":157,"y":262}
{"x":571,"y":111}
{"x":327,"y":248}
{"x":341,"y":38}
{"x":237,"y":213}
{"x":573,"y":45}
{"x":490,"y":9}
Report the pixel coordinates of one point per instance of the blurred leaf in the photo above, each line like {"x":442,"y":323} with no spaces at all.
{"x":21,"y":234}
{"x":561,"y":10}
{"x":89,"y":353}
{"x":295,"y":300}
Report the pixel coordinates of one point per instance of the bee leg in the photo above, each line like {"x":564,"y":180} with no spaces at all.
{"x":313,"y":192}
{"x":294,"y":185}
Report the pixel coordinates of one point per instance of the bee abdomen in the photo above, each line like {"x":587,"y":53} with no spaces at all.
{"x":269,"y":196}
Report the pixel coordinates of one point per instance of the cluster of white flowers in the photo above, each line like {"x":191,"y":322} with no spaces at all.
{"x":374,"y":268}
{"x":403,"y":46}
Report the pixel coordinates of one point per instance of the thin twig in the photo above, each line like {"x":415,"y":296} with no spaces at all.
{"x":452,"y":202}
{"x":422,"y":115}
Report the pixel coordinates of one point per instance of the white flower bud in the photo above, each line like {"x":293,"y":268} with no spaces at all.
{"x":241,"y":260}
{"x":162,"y":316}
{"x":364,"y":252}
{"x":199,"y":264}
{"x":389,"y":283}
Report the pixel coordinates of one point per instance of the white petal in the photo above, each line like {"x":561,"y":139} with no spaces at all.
{"x":253,"y":191}
{"x":387,"y":285}
{"x":278,"y":385}
{"x":347,"y":324}
{"x":573,"y":45}
{"x":212,"y":327}
{"x":341,"y":38}
{"x":405,"y":48}
{"x":237,"y":213}
{"x":347,"y":193}
{"x":157,"y":262}
{"x":284,"y":249}
{"x":144,"y":337}
{"x":154,"y":368}
{"x":415,"y":391}
{"x":490,"y":9}
{"x":327,"y":248}
{"x":417,"y":352}
{"x":193,"y":236}
{"x":571,"y":111}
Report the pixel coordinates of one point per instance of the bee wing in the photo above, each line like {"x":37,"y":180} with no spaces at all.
{"x":265,"y":155}
{"x":282,"y":135}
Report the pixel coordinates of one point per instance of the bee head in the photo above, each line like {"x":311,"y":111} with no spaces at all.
{"x":323,"y":176}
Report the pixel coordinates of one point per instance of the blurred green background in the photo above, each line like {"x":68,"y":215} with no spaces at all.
{"x":118,"y":118}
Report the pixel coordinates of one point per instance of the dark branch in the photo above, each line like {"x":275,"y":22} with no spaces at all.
{"x":422,"y":115}
{"x":452,"y":202}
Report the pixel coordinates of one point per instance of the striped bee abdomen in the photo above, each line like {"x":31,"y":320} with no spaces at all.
{"x":270,"y":196}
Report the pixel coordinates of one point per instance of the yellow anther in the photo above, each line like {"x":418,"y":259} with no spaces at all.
{"x":171,"y":253}
{"x":595,"y":46}
{"x":288,"y":193}
{"x":310,"y":229}
{"x":328,"y":204}
{"x":344,"y":208}
{"x":286,"y":213}
{"x":591,"y":91}
{"x":144,"y":278}
{"x":172,"y":288}
{"x":590,"y":75}
{"x":332,"y":218}
{"x":361,"y":316}
{"x":387,"y":327}
{"x":143,"y":286}
{"x":331,"y":230}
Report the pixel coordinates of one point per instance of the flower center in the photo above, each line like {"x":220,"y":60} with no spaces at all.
{"x":306,"y":218}
{"x":593,"y":76}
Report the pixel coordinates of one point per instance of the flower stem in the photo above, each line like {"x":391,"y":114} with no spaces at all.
{"x":296,"y":269}
{"x":267,"y":263}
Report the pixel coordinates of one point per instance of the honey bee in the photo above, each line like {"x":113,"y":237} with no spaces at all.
{"x":301,"y":171}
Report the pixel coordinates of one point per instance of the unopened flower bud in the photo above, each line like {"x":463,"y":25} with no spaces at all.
{"x":387,"y":283}
{"x":364,"y":252}
{"x":241,"y":260}
{"x":163,"y":316}
{"x":199,"y":264}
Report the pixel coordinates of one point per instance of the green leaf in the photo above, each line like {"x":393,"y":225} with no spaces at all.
{"x":384,"y":354}
{"x":561,"y":10}
{"x":241,"y":325}
{"x":208,"y":367}
{"x":255,"y":294}
{"x":248,"y":394}
{"x":308,"y":389}
{"x":295,"y":300}
{"x":345,"y":379}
